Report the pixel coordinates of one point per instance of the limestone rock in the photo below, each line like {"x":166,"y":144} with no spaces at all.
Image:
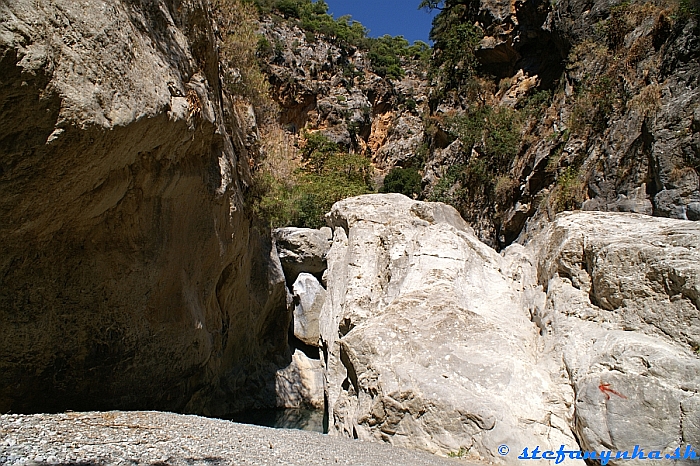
{"x":623,"y":310}
{"x":585,"y":337}
{"x":631,"y":266}
{"x":302,"y":250}
{"x":402,"y":141}
{"x":333,"y":89}
{"x":300,"y":384}
{"x":420,"y":354}
{"x":682,"y":196}
{"x":130,"y":276}
{"x":521,"y":85}
{"x":309,"y":297}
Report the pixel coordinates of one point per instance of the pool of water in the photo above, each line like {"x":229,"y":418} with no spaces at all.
{"x":302,"y":419}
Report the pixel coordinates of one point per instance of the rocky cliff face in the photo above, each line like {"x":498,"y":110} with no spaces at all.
{"x":615,"y":129}
{"x":586,"y":337}
{"x":620,"y":133}
{"x":130,"y":275}
{"x":322,"y":86}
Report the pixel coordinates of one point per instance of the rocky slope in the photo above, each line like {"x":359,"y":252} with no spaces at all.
{"x":620,"y":132}
{"x":586,"y":337}
{"x":130,"y":276}
{"x":601,"y":99}
{"x":333,"y":88}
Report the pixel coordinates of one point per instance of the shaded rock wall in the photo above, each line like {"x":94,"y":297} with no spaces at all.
{"x":130,"y":276}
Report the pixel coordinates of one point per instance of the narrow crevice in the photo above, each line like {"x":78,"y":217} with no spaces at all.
{"x":352,"y":374}
{"x":311,"y":352}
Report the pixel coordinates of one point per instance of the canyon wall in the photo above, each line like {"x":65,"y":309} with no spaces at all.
{"x":569,"y":105}
{"x":619,"y":132}
{"x":130,"y":275}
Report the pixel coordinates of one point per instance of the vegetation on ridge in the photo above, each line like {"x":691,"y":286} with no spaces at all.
{"x":325,"y":176}
{"x":385,"y":52}
{"x":490,"y":131}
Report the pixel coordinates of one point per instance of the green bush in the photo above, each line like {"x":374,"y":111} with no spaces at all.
{"x":447,"y":189}
{"x":239,"y":52}
{"x":289,"y":8}
{"x":569,"y":190}
{"x":501,"y":139}
{"x":385,"y":55}
{"x":327,"y":176}
{"x":617,"y":26}
{"x":406,"y":181}
{"x":454,"y":63}
{"x":596,"y":100}
{"x":493,"y":132}
{"x":689,"y":8}
{"x":495,"y":135}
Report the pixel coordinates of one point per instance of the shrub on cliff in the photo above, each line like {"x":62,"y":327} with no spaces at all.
{"x":406,"y":181}
{"x":242,"y":74}
{"x":690,"y":8}
{"x":453,"y":65}
{"x":326,"y":176}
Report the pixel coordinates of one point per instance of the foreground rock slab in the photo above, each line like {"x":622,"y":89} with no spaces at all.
{"x":429,"y":338}
{"x":148,"y":438}
{"x":587,"y":336}
{"x":302,"y":250}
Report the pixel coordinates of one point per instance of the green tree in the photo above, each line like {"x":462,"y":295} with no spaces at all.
{"x":327,"y":176}
{"x":406,"y":181}
{"x":456,"y":38}
{"x":445,"y":5}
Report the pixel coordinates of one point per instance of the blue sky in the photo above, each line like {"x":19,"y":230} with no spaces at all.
{"x":394,"y":17}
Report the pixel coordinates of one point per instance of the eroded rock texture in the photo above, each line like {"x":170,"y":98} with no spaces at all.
{"x":428,"y":334}
{"x":623,"y":311}
{"x":129,"y":276}
{"x":335,"y":90}
{"x":585,"y":337}
{"x":620,"y":133}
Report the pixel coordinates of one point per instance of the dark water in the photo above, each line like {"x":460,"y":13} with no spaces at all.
{"x":302,"y":419}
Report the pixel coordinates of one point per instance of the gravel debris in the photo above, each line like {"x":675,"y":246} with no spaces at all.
{"x":166,"y":439}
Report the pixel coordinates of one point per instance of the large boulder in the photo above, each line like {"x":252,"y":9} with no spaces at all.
{"x":585,"y":337}
{"x":309,"y":297}
{"x":300,"y":384}
{"x":429,"y":338}
{"x":623,"y":310}
{"x":302,"y":250}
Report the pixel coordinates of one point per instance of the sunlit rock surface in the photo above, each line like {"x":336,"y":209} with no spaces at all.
{"x":585,"y":337}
